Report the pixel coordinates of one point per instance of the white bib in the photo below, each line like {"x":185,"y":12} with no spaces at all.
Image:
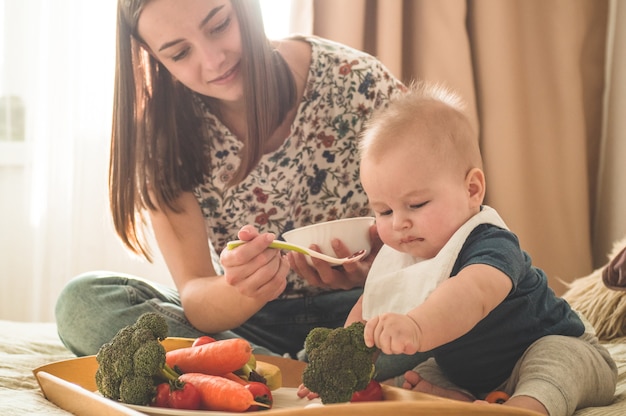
{"x":398,"y":282}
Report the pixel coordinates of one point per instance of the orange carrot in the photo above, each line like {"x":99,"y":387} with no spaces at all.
{"x":219,"y":393}
{"x":216,"y":358}
{"x":235,"y":377}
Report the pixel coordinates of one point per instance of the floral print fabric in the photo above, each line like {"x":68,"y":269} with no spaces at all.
{"x":314,"y":175}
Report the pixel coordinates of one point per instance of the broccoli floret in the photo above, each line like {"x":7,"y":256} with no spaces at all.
{"x":315,"y":337}
{"x":109,"y":386}
{"x":137,"y":389}
{"x":148,"y":359}
{"x":356,"y":332}
{"x":155,"y":323}
{"x":133,"y":362}
{"x":339,"y":362}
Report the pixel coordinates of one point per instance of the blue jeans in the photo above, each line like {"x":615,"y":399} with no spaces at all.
{"x":94,"y":306}
{"x":391,"y":366}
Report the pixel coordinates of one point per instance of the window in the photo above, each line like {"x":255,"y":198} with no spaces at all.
{"x":11,"y":119}
{"x":276,"y":17}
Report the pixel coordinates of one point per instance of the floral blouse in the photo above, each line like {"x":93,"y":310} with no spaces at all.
{"x":314,"y":175}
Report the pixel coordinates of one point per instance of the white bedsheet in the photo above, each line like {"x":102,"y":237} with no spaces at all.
{"x":26,"y":346}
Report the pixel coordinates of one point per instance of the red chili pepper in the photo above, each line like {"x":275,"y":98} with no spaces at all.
{"x":205,"y":339}
{"x":372,"y":393}
{"x":187,"y":397}
{"x":162,"y":398}
{"x":262,"y":394}
{"x":497,"y":396}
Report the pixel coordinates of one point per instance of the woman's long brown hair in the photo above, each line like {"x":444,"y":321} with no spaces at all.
{"x":158,"y":140}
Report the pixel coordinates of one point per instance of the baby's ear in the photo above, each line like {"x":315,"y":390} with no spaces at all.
{"x":476,"y":186}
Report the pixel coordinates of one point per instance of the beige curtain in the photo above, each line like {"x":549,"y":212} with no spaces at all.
{"x":610,"y":212}
{"x":533,"y":72}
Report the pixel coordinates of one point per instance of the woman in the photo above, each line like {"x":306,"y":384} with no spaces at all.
{"x":216,"y":127}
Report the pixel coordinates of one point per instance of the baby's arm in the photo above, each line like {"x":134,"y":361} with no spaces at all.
{"x":356,"y":314}
{"x":451,"y":311}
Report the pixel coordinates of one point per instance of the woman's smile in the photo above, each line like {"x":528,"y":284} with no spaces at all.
{"x":227,"y":77}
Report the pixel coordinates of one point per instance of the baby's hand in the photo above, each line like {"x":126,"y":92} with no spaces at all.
{"x":392,"y":333}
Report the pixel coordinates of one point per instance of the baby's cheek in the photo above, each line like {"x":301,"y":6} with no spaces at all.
{"x":385,"y":233}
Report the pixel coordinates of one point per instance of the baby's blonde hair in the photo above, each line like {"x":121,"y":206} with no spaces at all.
{"x":429,"y":116}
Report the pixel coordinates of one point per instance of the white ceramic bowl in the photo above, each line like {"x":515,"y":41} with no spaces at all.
{"x":354,"y":232}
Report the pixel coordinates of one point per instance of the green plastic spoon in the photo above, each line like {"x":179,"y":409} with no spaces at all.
{"x":282,"y":245}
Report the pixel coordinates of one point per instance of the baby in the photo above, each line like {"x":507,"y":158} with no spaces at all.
{"x":451,"y":278}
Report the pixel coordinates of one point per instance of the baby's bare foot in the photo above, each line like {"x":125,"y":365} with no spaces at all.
{"x":413,"y":381}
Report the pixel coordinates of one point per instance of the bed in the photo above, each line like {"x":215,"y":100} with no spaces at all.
{"x":27,"y":346}
{"x":24,"y":347}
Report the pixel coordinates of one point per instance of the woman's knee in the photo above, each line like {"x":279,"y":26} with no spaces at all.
{"x":81,"y":316}
{"x":72,"y":294}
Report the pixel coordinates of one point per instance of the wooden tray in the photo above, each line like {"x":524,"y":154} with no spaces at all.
{"x":70,"y":384}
